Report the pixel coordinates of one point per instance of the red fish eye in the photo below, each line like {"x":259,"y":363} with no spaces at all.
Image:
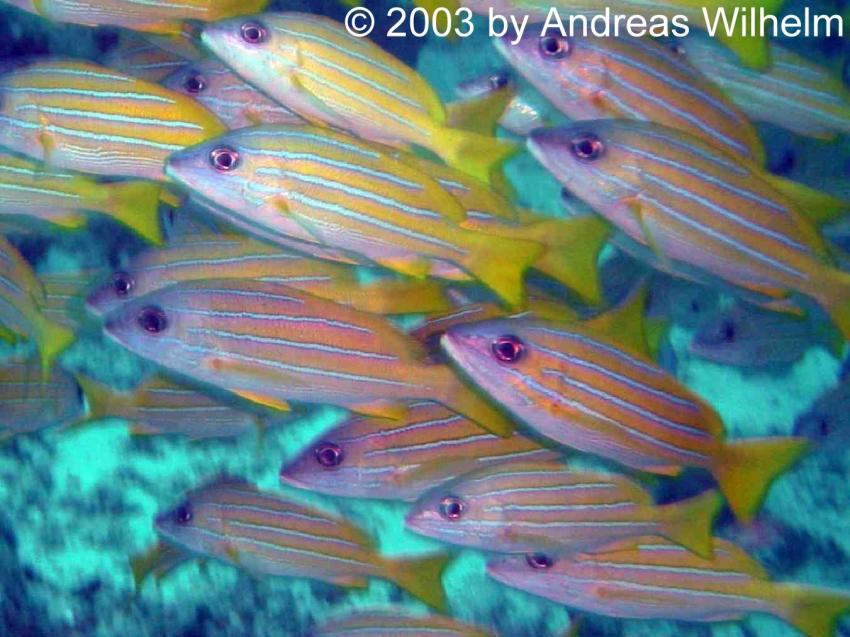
{"x":122,"y":283}
{"x":728,"y":331}
{"x":553,"y":46}
{"x":152,"y":320}
{"x":498,"y":81}
{"x":677,"y":49}
{"x":184,"y":514}
{"x":508,"y":348}
{"x":224,"y":159}
{"x":195,"y":83}
{"x":539,"y":561}
{"x":451,"y":507}
{"x":587,"y":147}
{"x":328,"y":454}
{"x":254,"y":33}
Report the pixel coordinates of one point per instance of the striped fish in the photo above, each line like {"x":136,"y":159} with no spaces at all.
{"x":270,"y":343}
{"x":266,"y":534}
{"x":793,"y":93}
{"x":30,"y":190}
{"x":650,"y":578}
{"x":81,"y":116}
{"x":315,"y":185}
{"x":65,"y":295}
{"x":753,"y":51}
{"x":399,"y":623}
{"x":139,"y":15}
{"x":584,"y":389}
{"x":696,"y":209}
{"x":521,"y":114}
{"x":527,"y":506}
{"x":399,"y":460}
{"x":233,"y":256}
{"x":630,"y":78}
{"x":30,"y":401}
{"x":311,"y":64}
{"x":21,"y":308}
{"x":150,"y":58}
{"x":159,"y":406}
{"x":229,"y":97}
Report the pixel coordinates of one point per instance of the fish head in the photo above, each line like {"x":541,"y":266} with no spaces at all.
{"x":562,"y":67}
{"x":195,"y":524}
{"x":498,"y":356}
{"x":198,"y":80}
{"x":828,"y":420}
{"x":722,"y":338}
{"x":251,"y":45}
{"x":536,"y":573}
{"x":593,"y":160}
{"x":472,"y":510}
{"x":120,"y":286}
{"x":334,"y":465}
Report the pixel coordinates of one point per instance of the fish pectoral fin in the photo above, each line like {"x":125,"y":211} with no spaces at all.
{"x":303,"y":222}
{"x":636,"y":209}
{"x":299,"y":85}
{"x":380,"y":409}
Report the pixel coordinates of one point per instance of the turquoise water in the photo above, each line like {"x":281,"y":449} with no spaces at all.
{"x":76,"y":505}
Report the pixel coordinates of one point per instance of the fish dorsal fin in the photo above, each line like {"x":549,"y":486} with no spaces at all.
{"x":624,"y":322}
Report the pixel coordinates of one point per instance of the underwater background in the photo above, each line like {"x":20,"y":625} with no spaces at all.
{"x":77,"y":504}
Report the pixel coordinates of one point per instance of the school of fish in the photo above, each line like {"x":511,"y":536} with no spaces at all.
{"x":316,"y":226}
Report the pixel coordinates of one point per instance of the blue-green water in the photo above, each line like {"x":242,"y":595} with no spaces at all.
{"x":77,"y":504}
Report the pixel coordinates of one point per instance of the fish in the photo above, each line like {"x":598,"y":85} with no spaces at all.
{"x":160,"y":406}
{"x":745,"y":336}
{"x":525,"y":506}
{"x":589,"y":77}
{"x":270,"y":344}
{"x":21,"y":308}
{"x":229,"y":97}
{"x":322,"y":187}
{"x":81,"y":116}
{"x":382,"y":623}
{"x":240,"y":257}
{"x":592,"y":386}
{"x":312,"y":65}
{"x":367,"y":457}
{"x":30,"y":190}
{"x":139,"y":15}
{"x":30,"y":401}
{"x":696,"y":209}
{"x":520,"y":115}
{"x":148,"y":58}
{"x":752,"y":50}
{"x":651,"y":578}
{"x":827,"y":422}
{"x":265,"y":534}
{"x":793,"y":93}
{"x":680,"y":301}
{"x":65,"y":295}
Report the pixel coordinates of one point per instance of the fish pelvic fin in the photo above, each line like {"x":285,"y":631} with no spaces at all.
{"x":478,"y":155}
{"x":422,"y":577}
{"x":500,"y":263}
{"x":745,"y":468}
{"x":688,"y":522}
{"x":752,"y":51}
{"x":52,"y":339}
{"x":812,"y":610}
{"x":136,"y":205}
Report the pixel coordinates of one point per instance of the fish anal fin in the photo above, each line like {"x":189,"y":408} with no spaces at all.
{"x":380,"y":409}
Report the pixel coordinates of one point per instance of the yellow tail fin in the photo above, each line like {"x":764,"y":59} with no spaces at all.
{"x":401,"y":297}
{"x":834,"y":298}
{"x":52,"y":339}
{"x":455,"y":394}
{"x":812,"y":610}
{"x":481,"y":114}
{"x":499,"y":263}
{"x":474,"y":154}
{"x":752,"y":51}
{"x":688,"y":522}
{"x":98,"y":397}
{"x":815,"y":205}
{"x":136,"y":205}
{"x":422,"y":577}
{"x":745,"y":468}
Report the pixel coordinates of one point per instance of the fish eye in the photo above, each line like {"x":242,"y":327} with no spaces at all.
{"x":539,"y":561}
{"x":122,"y":283}
{"x":451,"y":508}
{"x":152,"y":319}
{"x":587,"y":147}
{"x":727,"y":330}
{"x":498,"y":80}
{"x":677,"y":49}
{"x":566,"y":194}
{"x":328,"y":454}
{"x":508,"y":348}
{"x":184,"y":514}
{"x":195,"y":83}
{"x":554,"y":46}
{"x":823,"y":426}
{"x":224,"y":159}
{"x":254,"y":33}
